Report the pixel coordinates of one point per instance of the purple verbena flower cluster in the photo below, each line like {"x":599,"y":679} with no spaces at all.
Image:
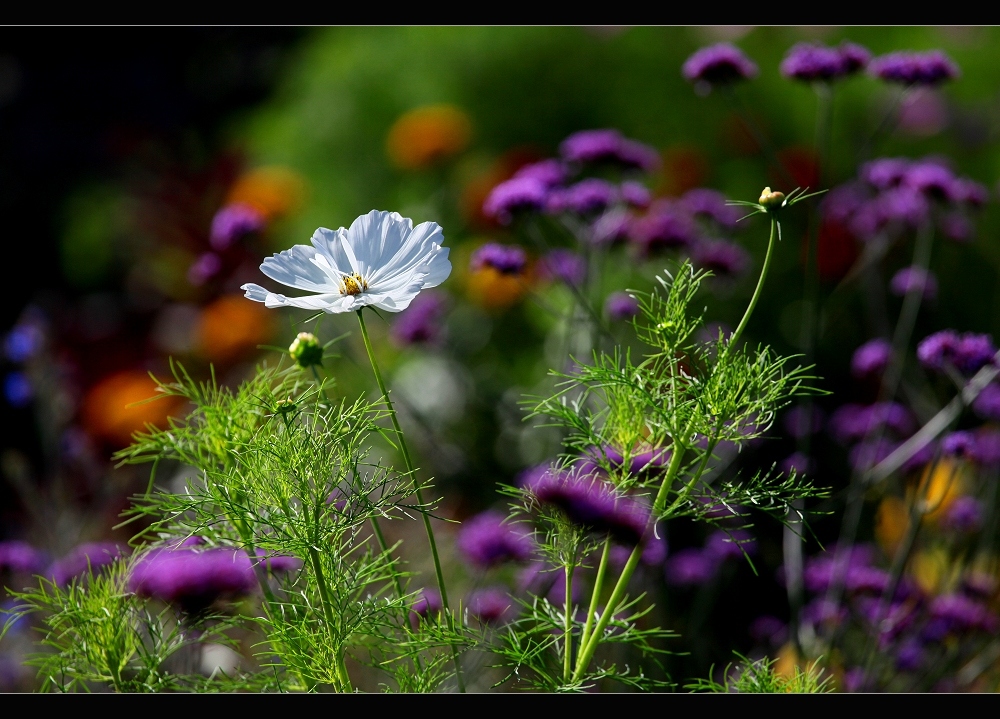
{"x":967,"y":352}
{"x":811,"y":62}
{"x":591,"y":502}
{"x":696,"y":566}
{"x":914,"y":68}
{"x":21,"y":557}
{"x":420,"y":323}
{"x":891,"y":194}
{"x":487,"y":540}
{"x":91,"y":556}
{"x":491,"y":605}
{"x":718,"y":64}
{"x":564,"y":265}
{"x":620,"y":306}
{"x":193,"y":579}
{"x":505,"y":259}
{"x":232,"y":223}
{"x":871,"y":358}
{"x":914,"y":279}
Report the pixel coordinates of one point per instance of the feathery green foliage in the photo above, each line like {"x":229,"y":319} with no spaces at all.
{"x":760,"y":677}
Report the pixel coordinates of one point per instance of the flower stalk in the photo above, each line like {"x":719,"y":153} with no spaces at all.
{"x":439,"y":574}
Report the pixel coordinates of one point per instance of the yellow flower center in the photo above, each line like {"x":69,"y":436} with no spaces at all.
{"x":353,"y":284}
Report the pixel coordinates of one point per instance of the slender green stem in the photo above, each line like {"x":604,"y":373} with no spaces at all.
{"x":587,"y":650}
{"x":345,"y":681}
{"x":420,"y":498}
{"x":602,"y":569}
{"x":568,"y":624}
{"x":760,"y":284}
{"x":345,"y":678}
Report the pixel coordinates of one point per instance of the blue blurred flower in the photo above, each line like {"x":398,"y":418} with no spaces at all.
{"x":17,"y":389}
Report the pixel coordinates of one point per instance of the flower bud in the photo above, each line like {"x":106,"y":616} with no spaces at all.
{"x":771,"y":200}
{"x":306,"y":350}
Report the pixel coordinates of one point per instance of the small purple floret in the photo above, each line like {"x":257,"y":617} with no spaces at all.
{"x":691,"y":567}
{"x":959,"y":444}
{"x":95,"y":555}
{"x":635,"y":194}
{"x":871,"y":358}
{"x":548,"y":172}
{"x":18,"y":556}
{"x":564,"y":265}
{"x":491,"y":605}
{"x":811,"y":62}
{"x":591,"y":502}
{"x":608,"y":146}
{"x":664,"y":227}
{"x":505,"y":259}
{"x":620,"y":306}
{"x":487,"y":540}
{"x":429,"y":602}
{"x":987,"y":403}
{"x":514,"y":195}
{"x":914,"y":68}
{"x":193,"y":579}
{"x":232,"y":223}
{"x":967,"y":353}
{"x":725,"y":259}
{"x":419,"y":323}
{"x":914,"y":279}
{"x":587,"y":197}
{"x":711,"y":204}
{"x":204,"y":268}
{"x":964,"y":516}
{"x":717,"y":64}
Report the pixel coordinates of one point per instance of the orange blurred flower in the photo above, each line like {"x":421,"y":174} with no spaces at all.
{"x":495,"y":290}
{"x":109,"y":412}
{"x":891,"y":522}
{"x":232,"y":327}
{"x":272,"y":191}
{"x":425,"y":135}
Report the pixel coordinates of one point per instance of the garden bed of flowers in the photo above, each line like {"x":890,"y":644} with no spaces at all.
{"x":528,"y":359}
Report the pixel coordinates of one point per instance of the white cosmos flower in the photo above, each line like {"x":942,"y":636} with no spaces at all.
{"x":382,"y":260}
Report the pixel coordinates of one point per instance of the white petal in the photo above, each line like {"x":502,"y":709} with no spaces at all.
{"x":330,"y":244}
{"x":331,"y":303}
{"x":438,"y":268}
{"x":295,"y":267}
{"x":376,"y":237}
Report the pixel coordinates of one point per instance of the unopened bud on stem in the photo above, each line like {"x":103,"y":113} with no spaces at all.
{"x":306,"y":350}
{"x":771,"y":200}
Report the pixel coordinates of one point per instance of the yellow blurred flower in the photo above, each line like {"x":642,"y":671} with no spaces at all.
{"x":932,"y":569}
{"x":272,"y":191}
{"x":942,"y":487}
{"x":232,"y":327}
{"x":110,"y":413}
{"x":425,"y":135}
